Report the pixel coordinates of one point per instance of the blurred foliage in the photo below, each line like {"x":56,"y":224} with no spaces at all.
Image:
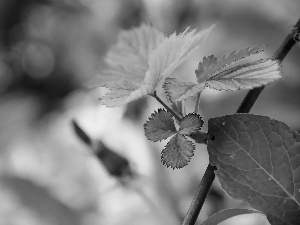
{"x":50,"y":49}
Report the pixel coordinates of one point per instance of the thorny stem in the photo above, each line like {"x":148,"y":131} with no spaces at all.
{"x":245,"y":107}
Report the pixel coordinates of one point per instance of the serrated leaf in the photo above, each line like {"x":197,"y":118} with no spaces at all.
{"x":190,"y":124}
{"x":223,"y":215}
{"x":209,"y":66}
{"x":177,"y":152}
{"x":160,"y":126}
{"x":170,"y":53}
{"x":206,"y":68}
{"x":129,"y":57}
{"x":258,"y":160}
{"x":120,"y":92}
{"x":228,"y":73}
{"x":246,"y":76}
{"x":145,"y":57}
{"x":179,"y":90}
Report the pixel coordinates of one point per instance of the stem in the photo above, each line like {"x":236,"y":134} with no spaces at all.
{"x":200,"y":196}
{"x":197,"y":103}
{"x":170,"y":110}
{"x":279,"y":55}
{"x":245,"y":107}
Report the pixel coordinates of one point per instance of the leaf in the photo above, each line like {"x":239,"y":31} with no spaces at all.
{"x":177,"y":152}
{"x":121,"y":92}
{"x":190,"y":124}
{"x":179,"y":90}
{"x":246,"y":76}
{"x":144,"y":57}
{"x":170,"y":53}
{"x":228,"y":73}
{"x":258,"y":160}
{"x":223,"y":215}
{"x":129,"y":57}
{"x":160,"y":126}
{"x":206,"y":70}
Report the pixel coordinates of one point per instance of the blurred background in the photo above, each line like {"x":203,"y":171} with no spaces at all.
{"x":50,"y":50}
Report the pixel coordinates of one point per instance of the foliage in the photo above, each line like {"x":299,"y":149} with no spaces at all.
{"x":257,"y":158}
{"x":179,"y":149}
{"x":143,"y":58}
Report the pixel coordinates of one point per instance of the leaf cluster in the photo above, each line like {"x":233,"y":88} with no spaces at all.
{"x":179,"y":150}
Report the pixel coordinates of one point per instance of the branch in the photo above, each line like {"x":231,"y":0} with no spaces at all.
{"x":200,"y":196}
{"x":279,"y":55}
{"x":245,"y":107}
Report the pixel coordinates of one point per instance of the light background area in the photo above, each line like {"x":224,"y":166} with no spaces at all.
{"x":50,"y":50}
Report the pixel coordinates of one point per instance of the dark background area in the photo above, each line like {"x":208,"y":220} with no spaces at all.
{"x":50,"y":50}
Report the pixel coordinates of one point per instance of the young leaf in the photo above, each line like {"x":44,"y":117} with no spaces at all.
{"x":223,"y":215}
{"x":210,"y":66}
{"x":206,"y":68}
{"x":145,"y":57}
{"x":160,"y":126}
{"x":228,"y":73}
{"x":120,"y":90}
{"x":190,"y":124}
{"x":177,"y":152}
{"x":245,"y":76}
{"x":128,"y":58}
{"x":179,"y":90}
{"x":258,"y":160}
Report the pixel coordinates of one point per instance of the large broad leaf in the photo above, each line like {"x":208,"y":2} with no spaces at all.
{"x":226,"y":214}
{"x":258,"y":160}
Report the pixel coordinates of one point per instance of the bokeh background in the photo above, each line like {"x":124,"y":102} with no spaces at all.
{"x":51,"y":49}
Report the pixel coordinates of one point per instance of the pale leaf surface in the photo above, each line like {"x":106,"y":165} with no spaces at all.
{"x":177,"y":152}
{"x":223,"y":215}
{"x":246,"y":76}
{"x":145,"y":57}
{"x":225,"y":61}
{"x":120,"y":92}
{"x":258,"y":160}
{"x":160,"y":126}
{"x":230,"y":72}
{"x":129,"y":57}
{"x":178,"y":90}
{"x":206,"y":68}
{"x":170,"y":53}
{"x":190,"y":124}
